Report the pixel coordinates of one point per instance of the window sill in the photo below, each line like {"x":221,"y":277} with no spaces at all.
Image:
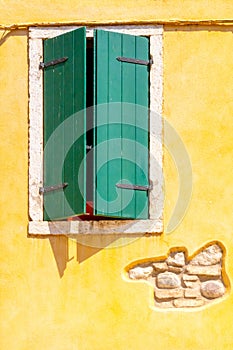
{"x":115,"y":227}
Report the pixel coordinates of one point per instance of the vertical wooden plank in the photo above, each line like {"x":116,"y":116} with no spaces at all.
{"x":69,"y":134}
{"x":142,"y":127}
{"x":64,"y":98}
{"x":115,"y":125}
{"x":128,"y":125}
{"x":58,"y":119}
{"x":48,"y":172}
{"x":101,"y":123}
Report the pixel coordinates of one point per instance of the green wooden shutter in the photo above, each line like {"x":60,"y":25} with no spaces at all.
{"x":64,"y":124}
{"x":121,"y":125}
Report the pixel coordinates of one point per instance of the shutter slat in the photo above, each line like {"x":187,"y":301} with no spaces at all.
{"x":128,"y":125}
{"x":101,"y":147}
{"x":115,"y":122}
{"x":142,"y":122}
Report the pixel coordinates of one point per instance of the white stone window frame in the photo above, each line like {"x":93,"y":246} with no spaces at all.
{"x":37,"y":226}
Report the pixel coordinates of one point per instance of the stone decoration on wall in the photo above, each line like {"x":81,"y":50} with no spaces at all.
{"x":182,"y":282}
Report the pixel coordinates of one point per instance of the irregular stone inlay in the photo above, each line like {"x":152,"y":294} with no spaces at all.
{"x":209,"y":256}
{"x":180,"y":282}
{"x":168,"y":280}
{"x":176,"y":259}
{"x":169,"y":293}
{"x":214,"y":270}
{"x":160,"y":267}
{"x":140,"y":272}
{"x":212,"y":289}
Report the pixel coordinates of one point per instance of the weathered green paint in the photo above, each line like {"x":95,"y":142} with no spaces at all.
{"x":64,"y":97}
{"x":121,"y":129}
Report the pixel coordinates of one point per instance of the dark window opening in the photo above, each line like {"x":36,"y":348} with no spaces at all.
{"x":89,"y":123}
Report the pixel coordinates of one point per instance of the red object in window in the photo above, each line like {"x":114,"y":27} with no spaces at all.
{"x":87,"y":216}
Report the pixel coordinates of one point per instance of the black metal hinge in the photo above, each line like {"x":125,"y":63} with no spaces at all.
{"x":134,"y":187}
{"x":52,"y":188}
{"x":44,"y":65}
{"x":135,"y":61}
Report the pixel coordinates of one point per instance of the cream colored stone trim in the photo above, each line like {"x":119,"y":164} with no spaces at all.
{"x":37,"y":225}
{"x":51,"y":32}
{"x":35,"y":129}
{"x":128,"y":227}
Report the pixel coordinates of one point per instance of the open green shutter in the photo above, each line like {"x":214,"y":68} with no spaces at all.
{"x":64,"y":125}
{"x":121,"y":125}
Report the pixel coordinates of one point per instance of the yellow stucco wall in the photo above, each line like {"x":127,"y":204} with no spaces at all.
{"x":15,"y":12}
{"x":59,"y":294}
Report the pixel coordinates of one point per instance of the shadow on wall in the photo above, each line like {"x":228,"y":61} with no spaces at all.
{"x":60,"y":250}
{"x":6,"y":34}
{"x":86,"y":247}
